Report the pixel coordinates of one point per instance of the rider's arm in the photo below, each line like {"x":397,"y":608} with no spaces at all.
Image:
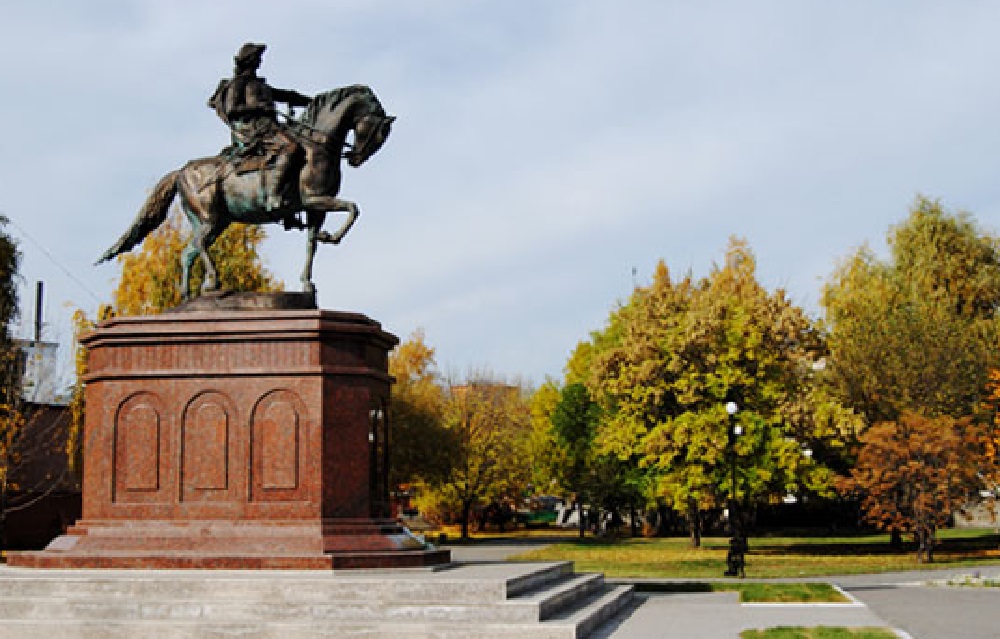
{"x":292,"y":98}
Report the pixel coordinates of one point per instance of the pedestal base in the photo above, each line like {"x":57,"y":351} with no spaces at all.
{"x":288,"y":545}
{"x":242,"y":431}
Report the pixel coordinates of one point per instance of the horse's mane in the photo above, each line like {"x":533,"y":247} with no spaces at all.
{"x":330,"y":99}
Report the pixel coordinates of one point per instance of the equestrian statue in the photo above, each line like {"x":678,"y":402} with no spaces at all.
{"x":274,"y":172}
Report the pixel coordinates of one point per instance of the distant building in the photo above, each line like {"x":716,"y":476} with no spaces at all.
{"x":39,"y":382}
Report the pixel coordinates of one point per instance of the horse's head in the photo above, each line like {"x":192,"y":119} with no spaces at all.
{"x":350,"y":109}
{"x":370,"y":133}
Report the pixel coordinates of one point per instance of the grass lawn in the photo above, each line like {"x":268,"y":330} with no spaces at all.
{"x":768,"y":557}
{"x":454,"y":533}
{"x":755,"y":592}
{"x":819,"y":632}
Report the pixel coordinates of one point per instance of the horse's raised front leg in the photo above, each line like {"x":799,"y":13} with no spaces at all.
{"x":327,"y":203}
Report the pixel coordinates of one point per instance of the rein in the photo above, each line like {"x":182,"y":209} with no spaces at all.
{"x":315,"y":134}
{"x":310,"y":131}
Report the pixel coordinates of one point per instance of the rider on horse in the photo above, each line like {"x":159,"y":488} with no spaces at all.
{"x":245,"y":103}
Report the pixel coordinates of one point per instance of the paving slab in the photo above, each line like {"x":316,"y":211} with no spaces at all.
{"x":722,"y":616}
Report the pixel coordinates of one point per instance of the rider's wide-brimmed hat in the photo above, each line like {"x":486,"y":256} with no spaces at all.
{"x":249,"y":51}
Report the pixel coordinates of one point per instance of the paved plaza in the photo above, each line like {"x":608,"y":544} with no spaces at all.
{"x":901,"y":601}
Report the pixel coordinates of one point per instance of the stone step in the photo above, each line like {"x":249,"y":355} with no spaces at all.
{"x":534,"y":607}
{"x":529,"y":580}
{"x":558,"y":595}
{"x":487,"y":601}
{"x":178,"y":630}
{"x":591,"y":613}
{"x":465,"y":584}
{"x":577,"y":624}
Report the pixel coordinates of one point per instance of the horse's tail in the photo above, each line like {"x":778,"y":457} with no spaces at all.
{"x":151,"y":215}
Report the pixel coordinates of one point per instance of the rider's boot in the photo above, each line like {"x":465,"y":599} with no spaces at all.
{"x":279,"y":196}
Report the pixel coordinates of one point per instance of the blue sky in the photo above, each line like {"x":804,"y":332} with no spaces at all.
{"x":543,"y":150}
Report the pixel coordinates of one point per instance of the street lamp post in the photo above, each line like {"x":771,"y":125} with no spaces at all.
{"x":736,"y":557}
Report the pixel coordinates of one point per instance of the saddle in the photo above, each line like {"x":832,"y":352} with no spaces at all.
{"x":249,"y":164}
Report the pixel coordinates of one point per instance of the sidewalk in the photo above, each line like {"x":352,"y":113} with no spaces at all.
{"x":722,"y":616}
{"x":900,"y":601}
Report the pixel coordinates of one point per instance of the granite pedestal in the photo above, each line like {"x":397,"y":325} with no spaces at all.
{"x":237,"y":439}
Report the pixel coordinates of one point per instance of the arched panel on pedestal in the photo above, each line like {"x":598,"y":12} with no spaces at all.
{"x":208,"y":439}
{"x":278,"y":440}
{"x":139,"y":442}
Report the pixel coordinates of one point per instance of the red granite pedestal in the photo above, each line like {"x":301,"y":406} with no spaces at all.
{"x":237,"y":439}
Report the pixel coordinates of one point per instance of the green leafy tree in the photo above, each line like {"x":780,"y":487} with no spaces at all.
{"x":679,"y":351}
{"x":10,"y":263}
{"x":917,"y":331}
{"x":574,"y":422}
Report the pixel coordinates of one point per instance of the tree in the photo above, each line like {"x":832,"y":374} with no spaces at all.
{"x":490,"y":422}
{"x":575,"y":421}
{"x":10,"y":263}
{"x":11,"y":415}
{"x":422,"y":447}
{"x":678,"y":351}
{"x":150,"y":278}
{"x":912,"y":474}
{"x":915,"y":334}
{"x":548,"y":458}
{"x":990,"y":467}
{"x":917,"y":331}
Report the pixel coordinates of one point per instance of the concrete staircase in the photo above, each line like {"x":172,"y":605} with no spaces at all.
{"x":477,"y":600}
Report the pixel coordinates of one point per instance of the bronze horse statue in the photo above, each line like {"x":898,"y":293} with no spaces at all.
{"x":214,"y":194}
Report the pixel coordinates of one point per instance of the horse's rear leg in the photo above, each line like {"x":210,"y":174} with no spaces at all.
{"x":202,"y":240}
{"x":190,"y":252}
{"x":313,"y":221}
{"x":188,"y":256}
{"x":204,"y":233}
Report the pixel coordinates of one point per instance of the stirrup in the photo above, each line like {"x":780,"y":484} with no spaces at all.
{"x":274,"y":203}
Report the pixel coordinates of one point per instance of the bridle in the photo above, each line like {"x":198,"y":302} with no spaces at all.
{"x":359,"y":149}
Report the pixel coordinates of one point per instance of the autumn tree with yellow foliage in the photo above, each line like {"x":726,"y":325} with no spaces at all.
{"x":421,"y":446}
{"x":990,"y":468}
{"x":150,"y":278}
{"x":489,"y":422}
{"x":11,"y":415}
